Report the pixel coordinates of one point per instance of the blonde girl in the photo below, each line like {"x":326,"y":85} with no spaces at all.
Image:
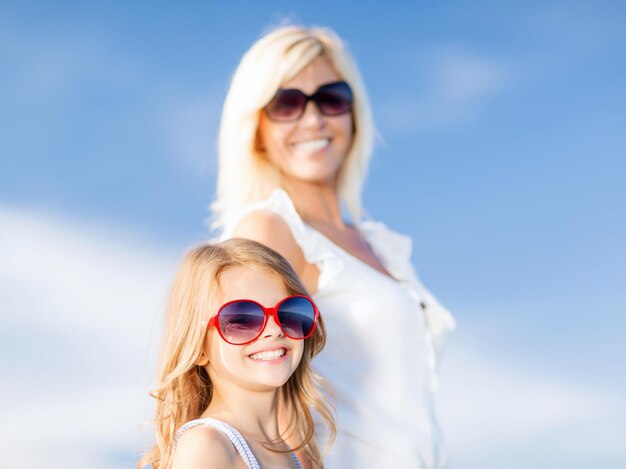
{"x":240,"y":333}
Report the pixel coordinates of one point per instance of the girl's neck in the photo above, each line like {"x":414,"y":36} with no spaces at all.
{"x":254,"y":414}
{"x":316,"y":203}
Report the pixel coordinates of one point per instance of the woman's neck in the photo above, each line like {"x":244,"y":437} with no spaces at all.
{"x":316,"y":203}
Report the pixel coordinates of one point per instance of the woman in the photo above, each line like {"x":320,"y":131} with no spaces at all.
{"x":295,"y":139}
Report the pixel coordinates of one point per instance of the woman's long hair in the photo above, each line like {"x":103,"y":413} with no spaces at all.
{"x":184,"y":388}
{"x":245,"y":174}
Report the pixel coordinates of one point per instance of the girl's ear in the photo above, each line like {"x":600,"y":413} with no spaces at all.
{"x":203,"y":359}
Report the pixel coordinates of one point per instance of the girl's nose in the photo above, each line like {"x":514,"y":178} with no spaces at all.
{"x":272,"y":329}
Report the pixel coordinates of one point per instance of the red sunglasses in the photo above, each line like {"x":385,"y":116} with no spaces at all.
{"x":288,"y":104}
{"x":240,"y":322}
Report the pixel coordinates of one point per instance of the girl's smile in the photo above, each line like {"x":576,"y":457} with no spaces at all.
{"x":270,"y":355}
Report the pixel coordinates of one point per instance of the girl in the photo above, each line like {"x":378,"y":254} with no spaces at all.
{"x":240,"y":332}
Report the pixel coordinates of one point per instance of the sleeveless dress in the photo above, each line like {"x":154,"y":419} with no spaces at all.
{"x":235,"y":438}
{"x":380,"y":357}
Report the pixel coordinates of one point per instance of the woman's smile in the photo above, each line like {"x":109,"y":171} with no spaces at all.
{"x":311,"y":146}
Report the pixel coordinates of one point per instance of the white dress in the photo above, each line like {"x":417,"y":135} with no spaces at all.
{"x":380,"y":353}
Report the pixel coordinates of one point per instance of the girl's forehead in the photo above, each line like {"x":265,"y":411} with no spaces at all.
{"x":241,"y":282}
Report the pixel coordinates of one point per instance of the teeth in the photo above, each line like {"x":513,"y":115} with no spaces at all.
{"x":312,"y":145}
{"x":273,"y":355}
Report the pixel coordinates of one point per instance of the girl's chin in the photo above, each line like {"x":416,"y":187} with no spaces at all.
{"x":270,"y":383}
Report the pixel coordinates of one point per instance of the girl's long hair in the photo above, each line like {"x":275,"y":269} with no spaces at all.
{"x":184,"y":388}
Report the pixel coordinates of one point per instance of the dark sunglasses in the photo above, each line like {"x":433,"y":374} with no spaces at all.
{"x":240,"y":322}
{"x":332,"y":99}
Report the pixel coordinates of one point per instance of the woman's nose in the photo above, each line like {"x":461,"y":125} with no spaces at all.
{"x":312,"y":117}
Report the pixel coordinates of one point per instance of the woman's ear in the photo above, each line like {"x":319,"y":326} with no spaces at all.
{"x":258,"y":142}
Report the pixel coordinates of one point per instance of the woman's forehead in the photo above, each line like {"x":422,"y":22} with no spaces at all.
{"x":317,"y":72}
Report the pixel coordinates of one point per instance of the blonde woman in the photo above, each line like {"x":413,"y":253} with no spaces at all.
{"x":239,"y":335}
{"x":295,"y":140}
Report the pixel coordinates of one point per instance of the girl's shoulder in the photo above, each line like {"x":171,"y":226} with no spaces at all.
{"x":204,"y":447}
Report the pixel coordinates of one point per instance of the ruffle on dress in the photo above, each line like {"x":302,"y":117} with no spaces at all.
{"x":395,"y":250}
{"x":313,"y":244}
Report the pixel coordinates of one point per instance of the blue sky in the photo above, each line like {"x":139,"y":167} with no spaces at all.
{"x":501,"y":152}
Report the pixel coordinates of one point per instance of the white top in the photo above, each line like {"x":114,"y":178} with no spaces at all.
{"x":380,"y":353}
{"x":235,"y":438}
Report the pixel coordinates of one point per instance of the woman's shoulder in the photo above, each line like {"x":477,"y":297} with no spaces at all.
{"x":273,"y":222}
{"x":269,"y":228}
{"x":204,"y":447}
{"x":276,"y":223}
{"x":262,"y":222}
{"x":278,"y":206}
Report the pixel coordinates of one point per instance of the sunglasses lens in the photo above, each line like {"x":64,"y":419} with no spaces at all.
{"x":334,"y":99}
{"x":241,"y":321}
{"x":297,"y":317}
{"x":286,"y":105}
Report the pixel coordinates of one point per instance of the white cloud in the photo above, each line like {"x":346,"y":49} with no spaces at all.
{"x":80,"y":313}
{"x":81,"y":307}
{"x":189,"y":130}
{"x":455,"y":85}
{"x":460,"y":78}
{"x":498,"y":413}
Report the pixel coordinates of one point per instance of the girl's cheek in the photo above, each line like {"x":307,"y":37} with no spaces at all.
{"x":298,"y":351}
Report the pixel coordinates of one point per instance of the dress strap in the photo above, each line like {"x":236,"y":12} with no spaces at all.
{"x":233,"y":435}
{"x":296,"y":461}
